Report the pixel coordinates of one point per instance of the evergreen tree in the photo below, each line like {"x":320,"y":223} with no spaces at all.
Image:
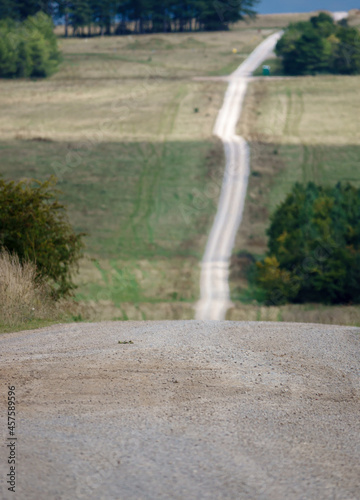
{"x":8,"y":10}
{"x":28,"y":48}
{"x":21,"y":9}
{"x":142,"y":15}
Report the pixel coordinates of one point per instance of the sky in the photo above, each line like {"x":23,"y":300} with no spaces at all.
{"x":279,"y":6}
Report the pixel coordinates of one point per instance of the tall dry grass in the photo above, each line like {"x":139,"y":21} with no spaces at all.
{"x":297,"y":313}
{"x":23,"y":296}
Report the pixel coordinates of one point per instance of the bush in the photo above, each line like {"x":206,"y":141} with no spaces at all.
{"x":319,"y":46}
{"x":28,"y":49}
{"x":23,"y":295}
{"x":34,"y":225}
{"x":314,"y":247}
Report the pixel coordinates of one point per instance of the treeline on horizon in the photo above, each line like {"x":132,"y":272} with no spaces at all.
{"x":133,"y":16}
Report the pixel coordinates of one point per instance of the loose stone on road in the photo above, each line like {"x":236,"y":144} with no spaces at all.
{"x":190,"y":410}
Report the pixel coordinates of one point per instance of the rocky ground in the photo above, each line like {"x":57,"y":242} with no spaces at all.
{"x":188,"y":410}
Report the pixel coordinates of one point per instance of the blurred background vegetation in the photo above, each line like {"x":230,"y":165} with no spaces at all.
{"x":125,"y":123}
{"x":320,"y":46}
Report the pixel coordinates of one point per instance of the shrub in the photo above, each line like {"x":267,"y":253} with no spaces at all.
{"x":28,"y":49}
{"x":23,"y":294}
{"x":319,"y":46}
{"x":34,"y":225}
{"x":314,"y":247}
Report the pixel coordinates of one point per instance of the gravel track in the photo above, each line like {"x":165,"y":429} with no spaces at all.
{"x":190,"y":410}
{"x":214,"y":279}
{"x":214,"y":286}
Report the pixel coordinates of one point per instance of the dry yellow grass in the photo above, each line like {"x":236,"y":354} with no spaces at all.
{"x":23,"y":297}
{"x":271,"y":21}
{"x":301,"y":129}
{"x":105,"y":309}
{"x":308,"y":110}
{"x":126,"y":88}
{"x":354,"y":17}
{"x":294,"y":313}
{"x":109,"y":112}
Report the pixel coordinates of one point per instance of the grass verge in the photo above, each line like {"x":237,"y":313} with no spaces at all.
{"x":25,"y":299}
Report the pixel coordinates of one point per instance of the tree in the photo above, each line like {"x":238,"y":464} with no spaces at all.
{"x":62,"y":9}
{"x":34,"y":225}
{"x":80,"y":15}
{"x":346,"y":53}
{"x":103,"y":14}
{"x":311,"y":55}
{"x":314,"y":247}
{"x":219,"y":14}
{"x":145,"y":15}
{"x":319,"y":46}
{"x":8,"y":10}
{"x":29,"y":48}
{"x":323,"y":24}
{"x":21,"y":9}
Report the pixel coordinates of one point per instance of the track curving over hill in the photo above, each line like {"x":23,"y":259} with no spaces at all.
{"x":214,"y":286}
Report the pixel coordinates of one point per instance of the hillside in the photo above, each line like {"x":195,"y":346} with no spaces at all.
{"x":128,"y":132}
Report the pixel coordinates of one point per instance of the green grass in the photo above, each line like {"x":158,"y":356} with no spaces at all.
{"x":29,"y":325}
{"x":144,"y":206}
{"x":134,"y":199}
{"x":228,"y":68}
{"x":321,"y":164}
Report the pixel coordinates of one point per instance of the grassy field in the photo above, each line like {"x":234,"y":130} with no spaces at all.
{"x":300,"y":130}
{"x":354,"y":17}
{"x":275,"y":21}
{"x":297,"y":313}
{"x":128,"y":133}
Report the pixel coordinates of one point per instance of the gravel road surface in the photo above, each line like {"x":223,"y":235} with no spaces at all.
{"x":189,"y":410}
